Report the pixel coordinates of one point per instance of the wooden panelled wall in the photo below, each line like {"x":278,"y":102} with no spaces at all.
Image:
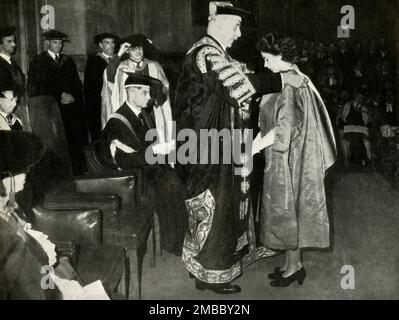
{"x":168,"y":22}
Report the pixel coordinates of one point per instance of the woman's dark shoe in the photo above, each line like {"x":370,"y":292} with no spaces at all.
{"x":191,"y":275}
{"x":219,"y":288}
{"x":285,"y":282}
{"x":278,"y":273}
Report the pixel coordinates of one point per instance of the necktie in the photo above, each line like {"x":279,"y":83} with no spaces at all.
{"x":143,"y":122}
{"x":9,"y":119}
{"x":57,"y":59}
{"x":16,"y":126}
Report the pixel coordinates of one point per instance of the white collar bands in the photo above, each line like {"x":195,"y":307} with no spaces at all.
{"x":5,"y":57}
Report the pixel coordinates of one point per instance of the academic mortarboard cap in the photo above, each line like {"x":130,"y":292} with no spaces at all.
{"x":137,"y":40}
{"x":100,"y":37}
{"x":139,"y":80}
{"x":7,"y":31}
{"x":55,"y":35}
{"x":225,"y":8}
{"x":155,"y":85}
{"x":19,"y":151}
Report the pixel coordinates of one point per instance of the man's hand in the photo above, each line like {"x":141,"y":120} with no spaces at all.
{"x":67,"y":98}
{"x":124,"y":47}
{"x":294,"y":80}
{"x":164,"y":148}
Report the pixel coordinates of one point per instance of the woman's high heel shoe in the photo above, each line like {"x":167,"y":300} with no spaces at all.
{"x":299,"y":276}
{"x":278,"y":273}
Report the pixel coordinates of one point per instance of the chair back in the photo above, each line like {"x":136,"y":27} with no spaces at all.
{"x":42,"y":117}
{"x":93,"y":162}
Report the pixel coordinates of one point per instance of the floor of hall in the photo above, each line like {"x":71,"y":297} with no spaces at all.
{"x":364,"y":211}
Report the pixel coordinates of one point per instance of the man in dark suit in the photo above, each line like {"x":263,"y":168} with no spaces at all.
{"x":52,"y":73}
{"x":93,"y":80}
{"x":124,"y":146}
{"x":10,"y":72}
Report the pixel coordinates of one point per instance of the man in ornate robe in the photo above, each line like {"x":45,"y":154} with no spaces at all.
{"x":213,"y":93}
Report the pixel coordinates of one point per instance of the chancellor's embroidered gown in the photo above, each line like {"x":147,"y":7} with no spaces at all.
{"x":213,"y":93}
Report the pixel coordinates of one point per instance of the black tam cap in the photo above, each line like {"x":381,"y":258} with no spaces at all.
{"x":139,"y":80}
{"x":19,"y":151}
{"x":7,"y":31}
{"x":155,"y":85}
{"x":217,"y":8}
{"x":100,"y":37}
{"x":55,"y":35}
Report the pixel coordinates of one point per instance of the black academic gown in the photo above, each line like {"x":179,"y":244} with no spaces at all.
{"x":218,"y":198}
{"x":12,"y":74}
{"x":166,"y":188}
{"x":46,"y":77}
{"x":93,"y":84}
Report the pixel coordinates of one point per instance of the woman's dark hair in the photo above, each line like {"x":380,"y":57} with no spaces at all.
{"x":276,"y":44}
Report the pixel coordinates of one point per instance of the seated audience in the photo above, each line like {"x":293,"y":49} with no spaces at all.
{"x":356,"y":134}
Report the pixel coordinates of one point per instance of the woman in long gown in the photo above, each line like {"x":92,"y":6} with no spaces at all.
{"x":299,"y":146}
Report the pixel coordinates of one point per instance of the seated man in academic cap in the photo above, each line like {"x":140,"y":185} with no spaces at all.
{"x":52,"y":73}
{"x":93,"y":80}
{"x":10,"y":72}
{"x":124,"y":146}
